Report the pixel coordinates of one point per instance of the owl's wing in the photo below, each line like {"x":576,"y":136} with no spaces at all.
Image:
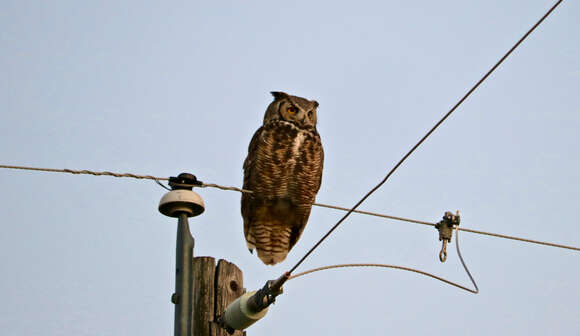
{"x":313,"y":165}
{"x":319,"y":172}
{"x":250,"y":161}
{"x":249,"y":170}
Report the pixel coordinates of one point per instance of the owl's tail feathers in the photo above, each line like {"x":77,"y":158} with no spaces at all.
{"x":271,"y":258}
{"x":271,"y":240}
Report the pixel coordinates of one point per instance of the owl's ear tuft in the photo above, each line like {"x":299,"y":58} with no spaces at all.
{"x":279,"y":94}
{"x":315,"y":103}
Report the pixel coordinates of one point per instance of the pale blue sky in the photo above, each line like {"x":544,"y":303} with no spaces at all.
{"x":165,"y":87}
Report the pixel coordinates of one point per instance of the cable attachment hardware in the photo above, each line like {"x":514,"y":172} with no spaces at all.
{"x":445,"y":228}
{"x":184,"y":181}
{"x":181,"y":198}
{"x":267,"y":295}
{"x":252,"y":306}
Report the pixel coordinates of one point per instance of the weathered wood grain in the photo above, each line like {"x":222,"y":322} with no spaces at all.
{"x":203,"y":294}
{"x":229,"y":286}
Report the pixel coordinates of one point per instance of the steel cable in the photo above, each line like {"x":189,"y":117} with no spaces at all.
{"x":410,"y":269}
{"x":212,"y":185}
{"x":423,"y":138}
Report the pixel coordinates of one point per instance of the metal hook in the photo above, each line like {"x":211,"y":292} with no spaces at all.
{"x":443,"y":253}
{"x":445,"y":228}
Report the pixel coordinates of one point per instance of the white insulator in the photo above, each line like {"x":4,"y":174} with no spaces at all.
{"x":181,"y":201}
{"x":239,"y":316}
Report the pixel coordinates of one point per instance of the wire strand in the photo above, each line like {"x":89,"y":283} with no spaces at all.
{"x":474,"y":291}
{"x":463,"y":263}
{"x":87,"y":172}
{"x":211,"y":185}
{"x":162,"y":185}
{"x":384,"y":266}
{"x":520,"y":239}
{"x":423,"y":139}
{"x":374,"y":214}
{"x":409,"y":220}
{"x":108,"y":173}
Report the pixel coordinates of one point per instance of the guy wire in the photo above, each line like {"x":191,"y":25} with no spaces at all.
{"x":474,"y":291}
{"x":423,"y":138}
{"x":409,"y":220}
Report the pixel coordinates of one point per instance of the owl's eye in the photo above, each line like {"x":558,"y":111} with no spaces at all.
{"x":292,"y":110}
{"x":310,"y":113}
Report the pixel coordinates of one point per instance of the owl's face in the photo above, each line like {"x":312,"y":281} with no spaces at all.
{"x":299,"y":111}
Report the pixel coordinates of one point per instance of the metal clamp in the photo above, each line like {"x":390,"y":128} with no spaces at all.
{"x":267,"y":295}
{"x":445,"y":228}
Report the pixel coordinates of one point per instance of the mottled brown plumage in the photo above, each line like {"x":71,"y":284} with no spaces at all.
{"x":284,"y":171}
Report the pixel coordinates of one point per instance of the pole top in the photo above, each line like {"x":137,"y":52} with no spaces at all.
{"x":182,"y":199}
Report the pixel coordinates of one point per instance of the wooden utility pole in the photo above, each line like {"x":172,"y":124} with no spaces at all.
{"x":214,"y":288}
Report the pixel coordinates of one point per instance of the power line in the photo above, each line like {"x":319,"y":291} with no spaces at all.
{"x":368,"y":213}
{"x":474,"y":291}
{"x":410,"y":269}
{"x":87,"y":172}
{"x":521,"y":239}
{"x":212,"y":185}
{"x":459,"y":228}
{"x":463,"y":262}
{"x":423,"y":138}
{"x":108,"y":173}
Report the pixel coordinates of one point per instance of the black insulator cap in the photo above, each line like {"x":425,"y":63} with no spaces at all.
{"x":184,"y":181}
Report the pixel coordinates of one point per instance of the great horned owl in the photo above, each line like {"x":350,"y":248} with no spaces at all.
{"x":284,"y":171}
